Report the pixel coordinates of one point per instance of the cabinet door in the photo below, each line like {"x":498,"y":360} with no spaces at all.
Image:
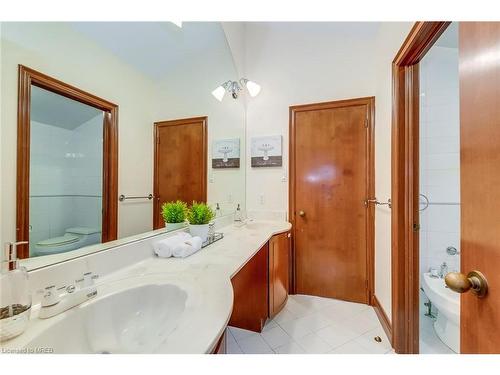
{"x":279,"y":259}
{"x":250,"y":288}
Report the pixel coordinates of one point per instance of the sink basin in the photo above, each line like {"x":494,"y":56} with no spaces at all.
{"x":133,"y":320}
{"x":137,"y":312}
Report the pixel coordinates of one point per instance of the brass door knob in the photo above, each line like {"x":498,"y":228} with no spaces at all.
{"x":473,"y":281}
{"x":302,"y":213}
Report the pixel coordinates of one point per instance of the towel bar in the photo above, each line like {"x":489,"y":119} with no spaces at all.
{"x":375,"y":201}
{"x":122,"y":197}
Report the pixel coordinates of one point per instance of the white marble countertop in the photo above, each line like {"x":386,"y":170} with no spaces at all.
{"x":208,"y":272}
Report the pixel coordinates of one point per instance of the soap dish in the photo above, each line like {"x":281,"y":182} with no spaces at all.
{"x":13,"y":321}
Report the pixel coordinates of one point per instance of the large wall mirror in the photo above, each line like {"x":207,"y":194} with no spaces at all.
{"x":84,"y":175}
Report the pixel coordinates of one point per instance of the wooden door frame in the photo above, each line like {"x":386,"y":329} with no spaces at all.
{"x":370,"y":181}
{"x":183,"y":121}
{"x":26,"y":78}
{"x":405,"y":184}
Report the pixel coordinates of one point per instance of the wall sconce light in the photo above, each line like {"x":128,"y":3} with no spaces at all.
{"x":234,"y":87}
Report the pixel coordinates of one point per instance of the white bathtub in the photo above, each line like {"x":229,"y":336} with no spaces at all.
{"x":447,"y":324}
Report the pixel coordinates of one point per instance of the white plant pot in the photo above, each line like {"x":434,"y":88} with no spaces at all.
{"x":199,"y":231}
{"x":174,"y":226}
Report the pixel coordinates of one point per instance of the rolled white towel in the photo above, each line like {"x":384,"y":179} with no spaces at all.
{"x":164,"y":248}
{"x":196,"y":242}
{"x":187,"y":247}
{"x":183,"y":236}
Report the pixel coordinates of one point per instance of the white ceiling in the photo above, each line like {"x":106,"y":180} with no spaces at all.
{"x":56,"y":110}
{"x":155,"y":48}
{"x":158,"y":48}
{"x":367,"y":30}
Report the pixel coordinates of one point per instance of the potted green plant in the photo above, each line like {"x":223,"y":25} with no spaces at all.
{"x":174,"y":214}
{"x":198,"y":216}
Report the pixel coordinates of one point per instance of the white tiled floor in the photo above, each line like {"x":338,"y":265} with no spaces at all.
{"x":314,"y":325}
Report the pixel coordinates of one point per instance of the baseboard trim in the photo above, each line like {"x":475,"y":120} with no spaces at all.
{"x":382,"y":316}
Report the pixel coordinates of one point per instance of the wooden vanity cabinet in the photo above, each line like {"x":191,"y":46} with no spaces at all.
{"x":261,"y":286}
{"x":251,"y":293}
{"x":279,"y":272}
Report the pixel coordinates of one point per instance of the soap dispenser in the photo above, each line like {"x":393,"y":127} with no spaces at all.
{"x":238,"y":215}
{"x":15,"y":298}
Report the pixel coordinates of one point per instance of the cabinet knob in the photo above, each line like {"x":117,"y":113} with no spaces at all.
{"x":302,"y":213}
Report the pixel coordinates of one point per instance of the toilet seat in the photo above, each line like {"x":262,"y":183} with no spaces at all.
{"x":74,"y":238}
{"x":58,"y":241}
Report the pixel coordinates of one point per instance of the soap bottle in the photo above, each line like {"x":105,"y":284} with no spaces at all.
{"x":15,"y":298}
{"x":237,"y":215}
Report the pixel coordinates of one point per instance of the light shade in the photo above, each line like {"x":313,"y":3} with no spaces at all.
{"x":253,"y":88}
{"x":219,"y":93}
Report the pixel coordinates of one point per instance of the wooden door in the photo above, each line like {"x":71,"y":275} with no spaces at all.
{"x":180,"y":163}
{"x":279,"y":265}
{"x":479,"y":67}
{"x":331,"y":176}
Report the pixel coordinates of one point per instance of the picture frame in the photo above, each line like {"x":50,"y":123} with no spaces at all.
{"x":267,"y":151}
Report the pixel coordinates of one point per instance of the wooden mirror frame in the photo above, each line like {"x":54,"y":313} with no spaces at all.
{"x":405,"y":184}
{"x":26,"y":78}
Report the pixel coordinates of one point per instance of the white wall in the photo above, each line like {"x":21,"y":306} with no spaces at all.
{"x":440,"y":158}
{"x":87,"y":173}
{"x":60,"y":52}
{"x":390,"y":39}
{"x":307,"y":63}
{"x":50,"y":182}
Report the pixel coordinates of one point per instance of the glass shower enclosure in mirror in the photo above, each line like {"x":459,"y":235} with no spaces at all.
{"x":153,"y":72}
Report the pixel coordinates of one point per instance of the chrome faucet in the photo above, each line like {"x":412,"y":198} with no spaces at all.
{"x":54,"y":303}
{"x":443,"y":270}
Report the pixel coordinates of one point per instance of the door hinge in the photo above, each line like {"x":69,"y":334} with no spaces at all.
{"x":416,"y":227}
